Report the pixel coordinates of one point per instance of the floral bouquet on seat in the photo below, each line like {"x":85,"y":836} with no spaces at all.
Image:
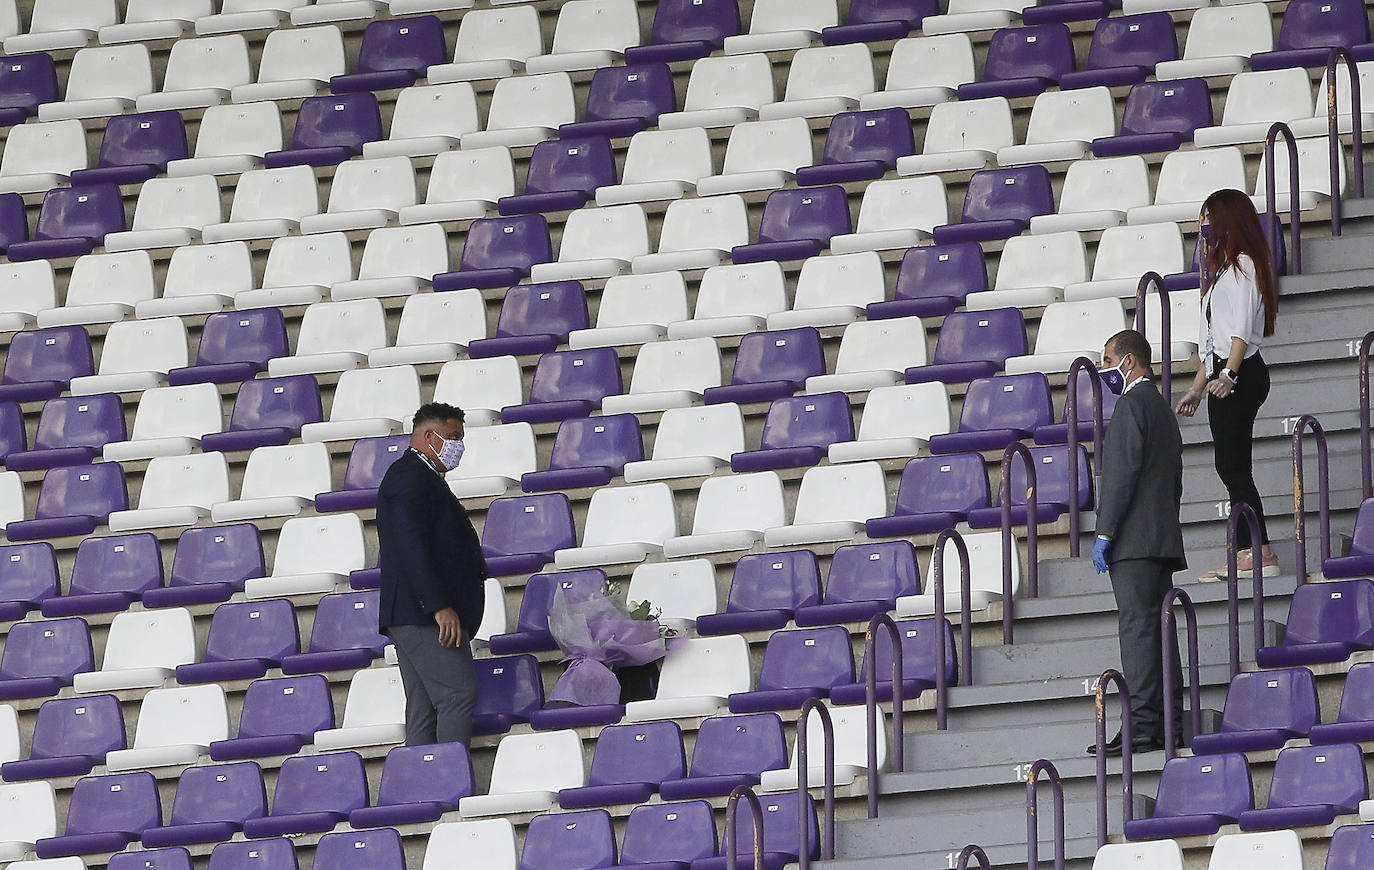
{"x":605,"y":640}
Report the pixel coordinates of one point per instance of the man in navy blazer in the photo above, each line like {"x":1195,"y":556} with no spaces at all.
{"x":433,"y":578}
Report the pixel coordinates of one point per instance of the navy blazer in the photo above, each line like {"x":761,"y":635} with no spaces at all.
{"x":430,"y":555}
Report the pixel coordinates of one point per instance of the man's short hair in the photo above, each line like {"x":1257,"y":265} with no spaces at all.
{"x":1128,"y":341}
{"x":435,"y":412}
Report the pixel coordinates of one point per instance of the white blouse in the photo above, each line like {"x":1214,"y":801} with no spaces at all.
{"x":1232,"y":308}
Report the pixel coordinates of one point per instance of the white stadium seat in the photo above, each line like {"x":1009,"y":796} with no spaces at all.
{"x":10,"y":748}
{"x":232,"y":139}
{"x":528,"y":773}
{"x":175,"y":726}
{"x":314,"y":554}
{"x":148,"y":20}
{"x":1033,"y":271}
{"x":492,"y":44}
{"x":170,"y":422}
{"x":1185,"y":320}
{"x":29,"y":289}
{"x":486,"y":842}
{"x":495,"y":459}
{"x":698,"y":676}
{"x":1063,"y":125}
{"x":965,"y":134}
{"x":55,"y":25}
{"x":1098,"y":194}
{"x":1267,"y":850}
{"x":1186,"y":179}
{"x":493,"y":613}
{"x":279,"y":481}
{"x":365,"y":194}
{"x":1067,"y":331}
{"x":634,"y":310}
{"x":1254,"y":101}
{"x":691,"y":442}
{"x":1220,"y":41}
{"x":850,"y":748}
{"x":833,"y":291}
{"x":1149,"y":855}
{"x":300,"y":270}
{"x":268,"y":204}
{"x":137,"y":355}
{"x":734,"y":300}
{"x":103,"y":81}
{"x":897,"y":422}
{"x":661,"y":164}
{"x":985,"y":577}
{"x":38,"y":157}
{"x":428,"y":120}
{"x":103,"y":288}
{"x":142,"y":649}
{"x":526,"y":110}
{"x":777,"y":25}
{"x":679,"y":591}
{"x":732,"y":513}
{"x":833,"y":504}
{"x":243,"y":15}
{"x":873,"y":354}
{"x":597,"y":243}
{"x":824,"y":81}
{"x":177,"y":491}
{"x":171,"y":213}
{"x":336,"y":10}
{"x":1314,"y":176}
{"x":1124,"y":254}
{"x":334,"y":336}
{"x":296,"y":63}
{"x":624,"y":524}
{"x":11,"y":497}
{"x":1318,"y":124}
{"x":369,"y":403}
{"x":590,"y":34}
{"x":435,"y":327}
{"x":201,"y":73}
{"x":374,"y":714}
{"x":481,"y":387}
{"x":965,"y":16}
{"x":723,"y":92}
{"x":464,"y":185}
{"x":201,"y":279}
{"x":895,"y":214}
{"x":397,"y":261}
{"x":29,"y":815}
{"x":923,"y":71}
{"x":697,"y":233}
{"x":761,"y":156}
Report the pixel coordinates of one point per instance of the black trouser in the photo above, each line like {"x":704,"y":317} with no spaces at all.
{"x":1139,"y":586}
{"x":1232,"y":421}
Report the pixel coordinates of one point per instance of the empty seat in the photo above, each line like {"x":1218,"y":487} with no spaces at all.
{"x":211,"y":805}
{"x":970,"y":15}
{"x":73,"y":500}
{"x":923,"y":71}
{"x":175,"y":726}
{"x":622,"y":101}
{"x":524,"y":110}
{"x":799,"y":664}
{"x":300,"y":271}
{"x":103,"y":288}
{"x":985,"y":575}
{"x":634,"y":310}
{"x":393,"y":54}
{"x":72,"y":221}
{"x":1221,"y":40}
{"x":434,"y":328}
{"x":624,"y":524}
{"x":278,"y":481}
{"x":823,"y":81}
{"x":136,"y":147}
{"x":368,"y":461}
{"x":933,"y":280}
{"x":142,"y":649}
{"x":397,"y":261}
{"x":568,"y":383}
{"x":730,"y":751}
{"x":268,"y":204}
{"x":177,"y":491}
{"x":235,"y":855}
{"x":234,"y":346}
{"x":32,"y":289}
{"x":897,"y":213}
{"x":509,"y":691}
{"x":1186,"y":177}
{"x":419,"y":784}
{"x":1197,"y":795}
{"x":365,"y":194}
{"x":999,"y":204}
{"x":1099,"y":194}
{"x":201,"y":73}
{"x":1253,"y":100}
{"x":1063,"y":126}
{"x":1264,"y":710}
{"x":776,"y":25}
{"x":628,"y":764}
{"x":588,"y":452}
{"x":771,"y":365}
{"x":491,"y":841}
{"x":864,"y":579}
{"x":344,"y":635}
{"x":1163,"y":854}
{"x":171,"y":212}
{"x":685,"y":30}
{"x":483,"y":387}
{"x":597,"y":243}
{"x":312,"y":794}
{"x":672,"y":374}
{"x":232,"y":139}
{"x":874,"y":354}
{"x":850,"y":726}
{"x":28,"y":576}
{"x":1033,"y":271}
{"x":661,"y":164}
{"x":765,"y":592}
{"x":780,"y":838}
{"x":1159,"y":116}
{"x":833,"y":291}
{"x":1317,"y":125}
{"x":314,"y":554}
{"x":268,"y":412}
{"x":734,"y":300}
{"x":872,"y":20}
{"x":1069,"y":330}
{"x":492,"y":44}
{"x":997,"y":411}
{"x":102,"y":82}
{"x":589,"y":34}
{"x":573,"y":839}
{"x":1314,"y":177}
{"x":723,"y":92}
{"x":106,"y":814}
{"x":897,"y":422}
{"x":31,"y":816}
{"x":1023,"y":61}
{"x":42,"y":657}
{"x":674,"y":833}
{"x":918,"y":667}
{"x":374,"y":714}
{"x":535,"y":318}
{"x":797,"y":432}
{"x":330,"y":130}
{"x":691,"y":442}
{"x":42,"y":156}
{"x":497,"y":457}
{"x":698,"y":676}
{"x":71,"y":431}
{"x":1126,"y":252}
{"x":761,"y":156}
{"x":1311,"y":786}
{"x":1053,"y":494}
{"x":72,"y":735}
{"x":279,"y":717}
{"x":1308,"y":33}
{"x":963,"y":134}
{"x":427,"y":120}
{"x":109,"y":574}
{"x":731,"y":514}
{"x":497,"y":252}
{"x":529,"y":771}
{"x":334,"y":336}
{"x":210,"y":565}
{"x":1327,"y":622}
{"x":296,"y":62}
{"x":369,"y":403}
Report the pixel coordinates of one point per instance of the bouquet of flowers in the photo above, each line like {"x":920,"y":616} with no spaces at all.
{"x":597,"y":633}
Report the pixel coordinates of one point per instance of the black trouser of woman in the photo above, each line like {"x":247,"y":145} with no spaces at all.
{"x":1232,"y":421}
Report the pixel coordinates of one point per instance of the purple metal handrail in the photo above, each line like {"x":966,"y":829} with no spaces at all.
{"x":1166,"y":329}
{"x":1033,"y":814}
{"x":1366,"y":471}
{"x":965,"y":620}
{"x":1009,"y":542}
{"x":971,"y":851}
{"x":1169,"y":639}
{"x":1304,"y":423}
{"x":882,"y":620}
{"x":804,"y":784}
{"x":1240,"y":512}
{"x":1333,"y":132}
{"x":731,"y":811}
{"x":1076,"y":368}
{"x":1109,"y":676}
{"x":1271,"y":197}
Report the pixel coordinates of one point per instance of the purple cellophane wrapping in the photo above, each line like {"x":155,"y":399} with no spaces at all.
{"x":596,"y":634}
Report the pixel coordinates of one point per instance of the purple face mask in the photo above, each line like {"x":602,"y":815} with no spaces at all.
{"x":1205,"y":231}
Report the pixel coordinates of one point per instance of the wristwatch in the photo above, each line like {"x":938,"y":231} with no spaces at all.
{"x":1230,"y":376}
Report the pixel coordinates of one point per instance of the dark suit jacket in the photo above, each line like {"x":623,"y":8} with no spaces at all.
{"x":431,"y":557}
{"x":1142,"y":479}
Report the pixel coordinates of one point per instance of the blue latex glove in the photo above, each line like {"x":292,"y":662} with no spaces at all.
{"x":1100,"y":548}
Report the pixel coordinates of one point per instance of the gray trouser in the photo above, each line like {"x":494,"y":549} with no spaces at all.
{"x":440,"y":684}
{"x":1140,"y":586}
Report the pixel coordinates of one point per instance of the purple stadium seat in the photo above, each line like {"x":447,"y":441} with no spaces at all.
{"x":569,"y":841}
{"x":329,"y":130}
{"x":39,"y":364}
{"x":1058,"y":433}
{"x":211,"y":804}
{"x":797,"y":223}
{"x":380,"y":849}
{"x":109,"y":574}
{"x":74,"y":500}
{"x":781,"y":841}
{"x":686,"y":30}
{"x":1311,"y":786}
{"x":498,"y":252}
{"x":1327,"y":622}
{"x":1352,"y":847}
{"x":268,"y":411}
{"x":629,"y":764}
{"x":367,"y":463}
{"x":73,"y":221}
{"x":1068,"y":10}
{"x":568,"y":383}
{"x":999,"y":204}
{"x":176,"y":858}
{"x":1264,"y":709}
{"x":246,"y":638}
{"x":1197,"y":795}
{"x":918,"y":663}
{"x":419,"y":784}
{"x":1125,"y":50}
{"x":1023,"y":61}
{"x":1159,"y":116}
{"x":274,"y":854}
{"x":933,"y":280}
{"x":1360,"y":562}
{"x":668,"y":836}
{"x":1051,"y":489}
{"x":799,"y":664}
{"x":998,"y":411}
{"x":864,"y":579}
{"x":532,"y":626}
{"x":26,"y":82}
{"x":1355,"y":720}
{"x":535,"y":318}
{"x":210,"y":565}
{"x":563,"y":174}
{"x":344,"y":635}
{"x":623,"y":100}
{"x":509,"y":691}
{"x":588,"y":451}
{"x":28,"y":577}
{"x":730,"y":751}
{"x":235,"y":346}
{"x":279,"y":717}
{"x":106,"y":814}
{"x":1311,"y":28}
{"x":879,"y":20}
{"x":13,"y":438}
{"x":861,"y":146}
{"x":70,"y":737}
{"x":767,"y":588}
{"x":71,"y":431}
{"x":972,"y":345}
{"x":42,"y":657}
{"x":395,"y":52}
{"x":521,"y":534}
{"x":770,"y":365}
{"x":797,"y":432}
{"x":136,"y":148}
{"x":313,"y":793}
{"x":14,"y":221}
{"x":935,"y":493}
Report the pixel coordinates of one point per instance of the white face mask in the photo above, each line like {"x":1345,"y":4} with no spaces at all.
{"x":450,"y":452}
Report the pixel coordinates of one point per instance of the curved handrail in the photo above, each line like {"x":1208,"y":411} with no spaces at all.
{"x":1169,"y":639}
{"x":1166,"y":327}
{"x":882,"y":620}
{"x":1333,"y":131}
{"x":1245,"y":512}
{"x":1009,"y":542}
{"x":1076,"y":368}
{"x":971,"y":851}
{"x":1110,"y":676}
{"x":1300,"y":428}
{"x":804,"y":783}
{"x":1271,"y":197}
{"x":1366,"y":463}
{"x":731,"y":811}
{"x":1033,"y":814}
{"x":965,"y":620}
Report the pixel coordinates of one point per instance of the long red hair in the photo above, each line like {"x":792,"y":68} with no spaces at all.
{"x":1236,"y":230}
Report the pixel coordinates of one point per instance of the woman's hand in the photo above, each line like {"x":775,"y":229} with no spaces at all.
{"x":1188,"y":405}
{"x":1220,"y":387}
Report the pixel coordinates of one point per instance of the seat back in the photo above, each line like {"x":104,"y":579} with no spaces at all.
{"x":587,"y":375}
{"x":57,"y":354}
{"x":543,"y":761}
{"x":78,"y":726}
{"x":944,"y":61}
{"x":331,"y":544}
{"x":1052,"y":477}
{"x":556,"y":308}
{"x":424,"y":111}
{"x":130,"y":564}
{"x":57,"y":648}
{"x":1313,"y":24}
{"x":219,"y":62}
{"x":54,"y":15}
{"x":151,"y":138}
{"x":962,"y":125}
{"x":53,"y":146}
{"x":488,"y":384}
{"x":121,"y":802}
{"x":779,"y":826}
{"x":732,"y":81}
{"x":810,"y":658}
{"x":607,"y":441}
{"x":144,"y":345}
{"x":704,"y":666}
{"x":506,"y":450}
{"x":631,"y":514}
{"x":218,"y":554}
{"x":581,"y":164}
{"x":774,"y":581}
{"x":713,"y":430}
{"x":277,"y":853}
{"x":692,"y":364}
{"x":517,"y":242}
{"x":413,"y":43}
{"x":1133,"y":40}
{"x":956,"y":483}
{"x":378,"y":849}
{"x":638,"y":752}
{"x":1155,"y":854}
{"x":772,"y":16}
{"x":286,"y":705}
{"x":679,"y":591}
{"x":1117,"y":183}
{"x":416,"y":252}
{"x":252,"y":128}
{"x":918,"y":655}
{"x":242,"y":336}
{"x":791,"y":355}
{"x":88,"y":212}
{"x":1307,"y":775}
{"x":508,"y":33}
{"x":1039,"y":51}
{"x":302,"y":53}
{"x":596,"y":25}
{"x":83,"y":490}
{"x":873,"y":572}
{"x":184,"y":714}
{"x":1213,"y":784}
{"x":171,"y":412}
{"x":904,"y":411}
{"x":1007,"y":402}
{"x":150,"y":639}
{"x":704,"y":223}
{"x":276,"y":403}
{"x":377,"y":182}
{"x":942,"y":270}
{"x":1284,"y":699}
{"x":853,"y":280}
{"x":1254,"y":97}
{"x":708,"y":21}
{"x":80,"y":421}
{"x":490,"y":842}
{"x":125,"y":278}
{"x":12,"y":435}
{"x":905,"y":203}
{"x":1008,"y":194}
{"x":253,"y":630}
{"x":440,"y":773}
{"x":28,"y":572}
{"x":347,"y":621}
{"x":375,"y":697}
{"x":1070,"y":327}
{"x":123,"y":71}
{"x":671,"y":832}
{"x":333,"y":783}
{"x":739,"y":501}
{"x":1129,"y":251}
{"x":388,"y":392}
{"x":532,"y":101}
{"x":805,"y":213}
{"x":509,"y":689}
{"x":193,"y":203}
{"x":285,"y":193}
{"x":321,"y":259}
{"x":176,"y":481}
{"x":370,"y":458}
{"x":457,"y":316}
{"x":831,"y":71}
{"x":808,"y":421}
{"x":356,"y":326}
{"x":1179,"y":106}
{"x":640,"y":91}
{"x":618,"y":232}
{"x":751,"y":289}
{"x":581,"y":839}
{"x":1082,"y":114}
{"x":27,"y":81}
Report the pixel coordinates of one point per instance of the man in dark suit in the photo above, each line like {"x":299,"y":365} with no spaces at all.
{"x":433,"y":577}
{"x":1139,"y":538}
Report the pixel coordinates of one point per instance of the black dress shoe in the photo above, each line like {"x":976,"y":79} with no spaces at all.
{"x":1113,"y":748}
{"x":1138,"y":745}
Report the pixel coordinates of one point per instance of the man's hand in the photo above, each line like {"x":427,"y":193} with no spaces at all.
{"x":1188,"y":405}
{"x":1100,"y":548}
{"x":450,"y":630}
